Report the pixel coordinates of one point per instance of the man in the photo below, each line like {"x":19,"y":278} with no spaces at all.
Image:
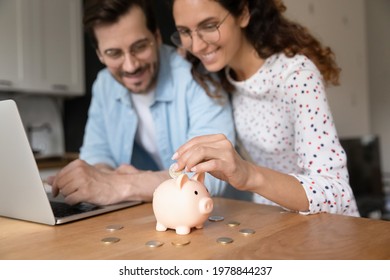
{"x":144,"y":105}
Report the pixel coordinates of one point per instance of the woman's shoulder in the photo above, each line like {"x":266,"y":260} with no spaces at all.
{"x":294,"y":63}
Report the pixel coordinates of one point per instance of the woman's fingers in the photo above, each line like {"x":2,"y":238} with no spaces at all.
{"x":209,"y":153}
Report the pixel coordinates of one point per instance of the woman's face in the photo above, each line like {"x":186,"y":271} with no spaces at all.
{"x":194,"y":17}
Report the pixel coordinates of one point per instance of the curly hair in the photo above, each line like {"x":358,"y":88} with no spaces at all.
{"x":270,"y":32}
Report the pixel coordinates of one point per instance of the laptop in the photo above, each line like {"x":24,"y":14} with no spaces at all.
{"x":23,"y":195}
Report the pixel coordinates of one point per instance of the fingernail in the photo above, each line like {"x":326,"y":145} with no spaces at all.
{"x":174,"y":166}
{"x":175,"y":156}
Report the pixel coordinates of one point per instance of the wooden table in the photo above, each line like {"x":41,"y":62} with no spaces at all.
{"x":279,"y":235}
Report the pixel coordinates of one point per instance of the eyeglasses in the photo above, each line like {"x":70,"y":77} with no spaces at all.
{"x":140,"y":50}
{"x":208,"y":32}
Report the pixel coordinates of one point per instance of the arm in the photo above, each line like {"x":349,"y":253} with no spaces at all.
{"x":96,"y":178}
{"x":216,"y":154}
{"x":81,"y":182}
{"x":210,"y":116}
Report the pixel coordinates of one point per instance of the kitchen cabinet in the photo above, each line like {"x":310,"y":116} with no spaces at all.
{"x":41,"y":49}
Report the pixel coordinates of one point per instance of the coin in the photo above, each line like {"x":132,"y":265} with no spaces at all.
{"x":224,"y":240}
{"x":216,"y":218}
{"x":114,"y":227}
{"x":110,"y":240}
{"x":154,"y":244}
{"x":180,"y":243}
{"x":247,"y":231}
{"x":174,"y":174}
{"x":233,"y":224}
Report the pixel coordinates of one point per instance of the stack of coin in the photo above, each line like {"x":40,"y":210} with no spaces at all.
{"x":114,"y":227}
{"x":110,"y":240}
{"x":180,"y":243}
{"x":247,"y":231}
{"x":233,"y":223}
{"x":224,"y":240}
{"x":216,"y":218}
{"x":154,"y":244}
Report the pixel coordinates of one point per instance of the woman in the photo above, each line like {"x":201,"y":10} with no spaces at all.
{"x":277,"y":73}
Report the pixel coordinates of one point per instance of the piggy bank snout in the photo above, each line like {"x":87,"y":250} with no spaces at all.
{"x":206,"y":205}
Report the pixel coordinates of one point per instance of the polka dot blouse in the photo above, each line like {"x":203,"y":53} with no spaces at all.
{"x":284,"y":121}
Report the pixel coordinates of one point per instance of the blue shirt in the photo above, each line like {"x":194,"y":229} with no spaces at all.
{"x":181,"y":110}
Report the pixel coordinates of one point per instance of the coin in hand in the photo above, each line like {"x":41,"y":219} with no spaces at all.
{"x":174,"y":174}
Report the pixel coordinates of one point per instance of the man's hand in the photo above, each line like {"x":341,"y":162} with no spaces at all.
{"x":82,"y":182}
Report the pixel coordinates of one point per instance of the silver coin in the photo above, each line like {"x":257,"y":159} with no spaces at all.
{"x":110,"y":240}
{"x":174,"y":174}
{"x":216,"y":218}
{"x":154,"y":244}
{"x":233,"y":223}
{"x":224,"y":240}
{"x":114,"y":227}
{"x":247,"y":231}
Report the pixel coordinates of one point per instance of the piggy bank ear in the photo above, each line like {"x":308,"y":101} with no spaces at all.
{"x":181,"y":180}
{"x":199,"y":177}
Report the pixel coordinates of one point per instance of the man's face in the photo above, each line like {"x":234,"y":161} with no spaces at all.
{"x":130,"y":51}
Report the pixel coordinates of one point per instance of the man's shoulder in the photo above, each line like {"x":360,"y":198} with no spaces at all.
{"x":175,"y":71}
{"x":104,"y":80}
{"x":170,"y":57}
{"x":105,"y":75}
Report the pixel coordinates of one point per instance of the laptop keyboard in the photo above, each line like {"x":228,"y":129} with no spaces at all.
{"x":61,"y":209}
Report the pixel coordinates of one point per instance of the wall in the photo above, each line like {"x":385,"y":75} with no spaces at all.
{"x":44,"y":116}
{"x":342,"y":26}
{"x":357,"y":31}
{"x":378,"y":19}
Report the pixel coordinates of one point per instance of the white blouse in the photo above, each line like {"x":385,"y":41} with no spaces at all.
{"x":284,"y":121}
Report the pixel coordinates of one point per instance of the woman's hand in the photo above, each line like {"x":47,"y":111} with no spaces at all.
{"x":216,"y":155}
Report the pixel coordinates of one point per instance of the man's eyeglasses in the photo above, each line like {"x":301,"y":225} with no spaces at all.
{"x":208,"y":32}
{"x":140,"y":50}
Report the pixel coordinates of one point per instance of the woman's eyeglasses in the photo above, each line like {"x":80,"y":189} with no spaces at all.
{"x":208,"y":32}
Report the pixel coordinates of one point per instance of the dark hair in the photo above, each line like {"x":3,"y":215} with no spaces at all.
{"x":270,"y":33}
{"x":98,"y":12}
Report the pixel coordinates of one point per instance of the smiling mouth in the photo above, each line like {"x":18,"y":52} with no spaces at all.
{"x":208,"y":57}
{"x":136,"y":74}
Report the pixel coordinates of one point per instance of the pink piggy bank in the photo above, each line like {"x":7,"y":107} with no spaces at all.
{"x":182,"y":204}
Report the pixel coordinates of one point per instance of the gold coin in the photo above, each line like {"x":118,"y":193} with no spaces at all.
{"x":114,"y":227}
{"x":224,"y":240}
{"x":110,"y":240}
{"x":180,"y":243}
{"x":154,"y":244}
{"x":216,"y":218}
{"x":247,"y":231}
{"x":233,"y":224}
{"x":174,"y":174}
